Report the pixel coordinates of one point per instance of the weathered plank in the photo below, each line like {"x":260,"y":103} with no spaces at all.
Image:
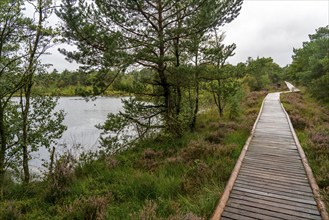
{"x":260,"y":180}
{"x":278,"y":204}
{"x":278,"y":200}
{"x":271,"y":182}
{"x":281,"y":210}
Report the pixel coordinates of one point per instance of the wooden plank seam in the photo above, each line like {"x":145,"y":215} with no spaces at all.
{"x":308,"y":170}
{"x":229,"y":186}
{"x":311,"y":180}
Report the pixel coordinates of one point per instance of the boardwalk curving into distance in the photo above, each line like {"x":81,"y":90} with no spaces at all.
{"x":271,"y":179}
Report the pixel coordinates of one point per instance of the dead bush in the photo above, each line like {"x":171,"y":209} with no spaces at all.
{"x":61,"y":177}
{"x":111,"y":162}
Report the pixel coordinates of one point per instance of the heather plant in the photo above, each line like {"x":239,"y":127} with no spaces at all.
{"x":162,"y":177}
{"x":92,"y":208}
{"x":310,"y":119}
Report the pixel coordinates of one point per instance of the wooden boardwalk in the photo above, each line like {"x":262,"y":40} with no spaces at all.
{"x":271,"y":182}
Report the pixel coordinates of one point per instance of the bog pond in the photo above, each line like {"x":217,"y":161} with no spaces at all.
{"x":81,"y":118}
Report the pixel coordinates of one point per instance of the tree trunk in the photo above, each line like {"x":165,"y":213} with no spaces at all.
{"x":27,"y":93}
{"x":24,"y":142}
{"x":168,"y":99}
{"x":196,"y":107}
{"x":179,"y":100}
{"x":52,"y":162}
{"x":2,"y":150}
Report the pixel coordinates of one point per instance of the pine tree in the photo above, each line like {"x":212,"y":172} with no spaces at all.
{"x":146,"y":33}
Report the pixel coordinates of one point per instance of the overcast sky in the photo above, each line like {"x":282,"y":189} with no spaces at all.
{"x":264,"y":28}
{"x":273,"y":28}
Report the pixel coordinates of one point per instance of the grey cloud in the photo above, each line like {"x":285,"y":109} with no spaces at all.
{"x":263,"y":28}
{"x":274,"y":28}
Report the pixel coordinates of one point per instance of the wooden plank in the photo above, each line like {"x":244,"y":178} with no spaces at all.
{"x":280,"y":152}
{"x":274,"y":144}
{"x":265,"y":154}
{"x":282,"y":212}
{"x":313,"y":210}
{"x":271,"y":141}
{"x":278,"y":173}
{"x":308,"y":170}
{"x":273,"y":137}
{"x":272,"y":199}
{"x":247,"y":214}
{"x":286,"y":180}
{"x":264,"y":166}
{"x":231,"y":215}
{"x":274,"y":164}
{"x":271,"y":182}
{"x":276,"y":190}
{"x":277,"y":159}
{"x":266,"y":214}
{"x":276,"y":152}
{"x":270,"y":128}
{"x":270,"y":160}
{"x":227,"y":218}
{"x":275,"y":184}
{"x":305,"y":201}
{"x":273,"y":170}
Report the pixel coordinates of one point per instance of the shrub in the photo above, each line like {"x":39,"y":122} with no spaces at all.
{"x":92,"y":208}
{"x":298,"y":121}
{"x":195,"y":177}
{"x":320,"y":139}
{"x":61,"y":178}
{"x":148,"y":212}
{"x":10,"y":211}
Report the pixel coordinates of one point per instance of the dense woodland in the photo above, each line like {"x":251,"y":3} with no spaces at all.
{"x":192,"y":111}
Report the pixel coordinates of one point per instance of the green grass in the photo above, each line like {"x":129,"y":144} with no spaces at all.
{"x":311,"y":122}
{"x":160,"y":178}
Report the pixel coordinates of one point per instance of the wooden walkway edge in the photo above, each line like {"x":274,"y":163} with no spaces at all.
{"x":272,"y":178}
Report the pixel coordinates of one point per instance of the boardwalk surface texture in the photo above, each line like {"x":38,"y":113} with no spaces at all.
{"x":271,"y":182}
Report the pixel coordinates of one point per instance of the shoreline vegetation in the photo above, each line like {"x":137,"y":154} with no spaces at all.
{"x":161,"y":177}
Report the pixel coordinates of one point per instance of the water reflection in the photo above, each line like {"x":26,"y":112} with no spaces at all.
{"x":81,"y":118}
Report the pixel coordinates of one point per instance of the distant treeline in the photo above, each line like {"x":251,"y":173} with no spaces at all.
{"x":257,"y":74}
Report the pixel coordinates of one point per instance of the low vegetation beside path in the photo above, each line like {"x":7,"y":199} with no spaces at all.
{"x":310,"y":119}
{"x":160,"y":178}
